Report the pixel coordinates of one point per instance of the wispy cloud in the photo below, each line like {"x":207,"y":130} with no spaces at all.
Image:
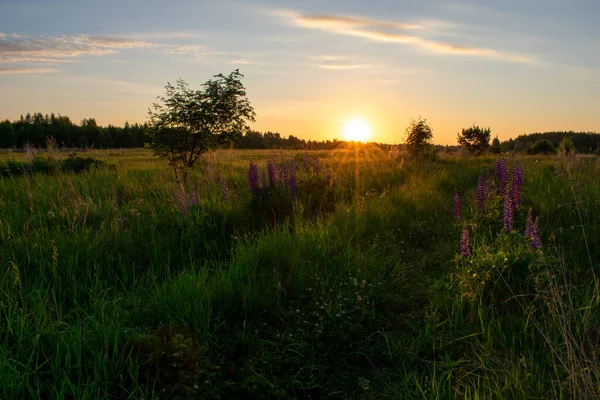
{"x":345,"y":66}
{"x":395,"y":32}
{"x":22,"y":71}
{"x":60,"y":49}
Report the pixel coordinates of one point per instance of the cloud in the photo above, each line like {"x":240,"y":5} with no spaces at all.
{"x":395,"y":32}
{"x":60,"y":49}
{"x":345,"y":66}
{"x":21,"y":71}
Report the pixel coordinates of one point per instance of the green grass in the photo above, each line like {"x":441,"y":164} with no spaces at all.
{"x":108,"y":291}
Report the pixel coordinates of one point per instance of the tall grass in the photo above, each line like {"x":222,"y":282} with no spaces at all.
{"x":108,"y":290}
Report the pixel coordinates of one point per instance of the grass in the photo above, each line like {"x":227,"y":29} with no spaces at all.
{"x":107,"y":290}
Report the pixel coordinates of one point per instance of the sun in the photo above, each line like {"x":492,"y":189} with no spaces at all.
{"x":356,"y":130}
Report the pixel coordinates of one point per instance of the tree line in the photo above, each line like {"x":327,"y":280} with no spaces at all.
{"x":35,"y":130}
{"x":550,"y":142}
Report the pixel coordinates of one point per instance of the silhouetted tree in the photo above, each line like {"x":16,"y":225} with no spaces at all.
{"x":496,"y":148}
{"x":419,"y":137}
{"x":475,"y":139}
{"x":187,"y":123}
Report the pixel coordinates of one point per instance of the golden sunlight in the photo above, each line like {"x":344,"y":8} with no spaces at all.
{"x":356,"y":130}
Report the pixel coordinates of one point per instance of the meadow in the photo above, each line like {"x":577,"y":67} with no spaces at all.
{"x":301,"y":275}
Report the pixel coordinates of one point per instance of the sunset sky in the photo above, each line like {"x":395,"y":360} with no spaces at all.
{"x":516,"y":66}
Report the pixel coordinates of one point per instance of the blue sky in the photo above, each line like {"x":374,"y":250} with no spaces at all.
{"x":516,"y":66}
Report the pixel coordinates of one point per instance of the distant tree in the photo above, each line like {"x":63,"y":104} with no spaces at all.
{"x":542,"y":147}
{"x":566,"y":146}
{"x":187,"y":123}
{"x":475,"y":139}
{"x":419,"y":137}
{"x":496,"y":148}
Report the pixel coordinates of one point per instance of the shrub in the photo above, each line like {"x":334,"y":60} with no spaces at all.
{"x":419,"y":136}
{"x":542,"y":147}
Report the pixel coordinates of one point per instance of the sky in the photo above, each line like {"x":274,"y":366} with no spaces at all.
{"x":516,"y":66}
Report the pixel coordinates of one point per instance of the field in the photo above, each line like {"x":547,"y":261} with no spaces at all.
{"x":349,"y":283}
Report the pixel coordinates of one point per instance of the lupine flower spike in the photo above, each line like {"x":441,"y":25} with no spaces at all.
{"x":293,"y":179}
{"x":253,"y":178}
{"x":480,"y":195}
{"x":271,"y":173}
{"x":457,"y":216}
{"x":225,"y":190}
{"x":465,"y":244}
{"x":184,"y":205}
{"x":508,"y":212}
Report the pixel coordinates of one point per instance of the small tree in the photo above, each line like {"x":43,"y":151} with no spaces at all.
{"x":419,"y":137}
{"x":566,"y":146}
{"x":542,"y":147}
{"x":187,"y":123}
{"x":496,"y":149}
{"x":475,"y":139}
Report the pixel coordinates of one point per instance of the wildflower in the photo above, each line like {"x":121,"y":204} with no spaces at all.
{"x":263,"y":181}
{"x":508,"y":212}
{"x":317,"y":165}
{"x":195,"y":198}
{"x":465,"y":246}
{"x":488,"y":184}
{"x":517,"y":183}
{"x":501,"y":175}
{"x":480,"y":195}
{"x":306,"y":161}
{"x":225,"y":190}
{"x":532,"y":231}
{"x":184,"y":205}
{"x":293,"y":180}
{"x":474,"y":275}
{"x":457,"y":216}
{"x":272,"y":173}
{"x":253,"y":178}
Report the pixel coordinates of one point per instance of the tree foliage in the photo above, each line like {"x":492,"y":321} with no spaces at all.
{"x":186,"y":123}
{"x":566,"y":146}
{"x":475,"y":140}
{"x":584,"y":142}
{"x":35,"y":129}
{"x":542,"y":147}
{"x":419,"y":137}
{"x":496,"y":148}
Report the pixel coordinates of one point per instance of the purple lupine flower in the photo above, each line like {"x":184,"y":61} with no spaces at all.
{"x":225,"y":190}
{"x":272,"y":174}
{"x":284,"y":181}
{"x":497,"y":173}
{"x":293,"y":187}
{"x":465,"y":244}
{"x":195,"y":198}
{"x":480,"y":195}
{"x":253,"y":178}
{"x":182,"y":200}
{"x":317,"y":164}
{"x":264,"y":181}
{"x":536,"y":241}
{"x":508,"y":212}
{"x":529,"y":224}
{"x":488,"y":184}
{"x":328,"y":177}
{"x":503,"y":175}
{"x":516,"y":186}
{"x":457,"y":216}
{"x":306,"y":161}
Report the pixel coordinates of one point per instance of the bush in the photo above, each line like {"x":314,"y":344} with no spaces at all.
{"x":75,"y":163}
{"x":419,"y":136}
{"x":542,"y":147}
